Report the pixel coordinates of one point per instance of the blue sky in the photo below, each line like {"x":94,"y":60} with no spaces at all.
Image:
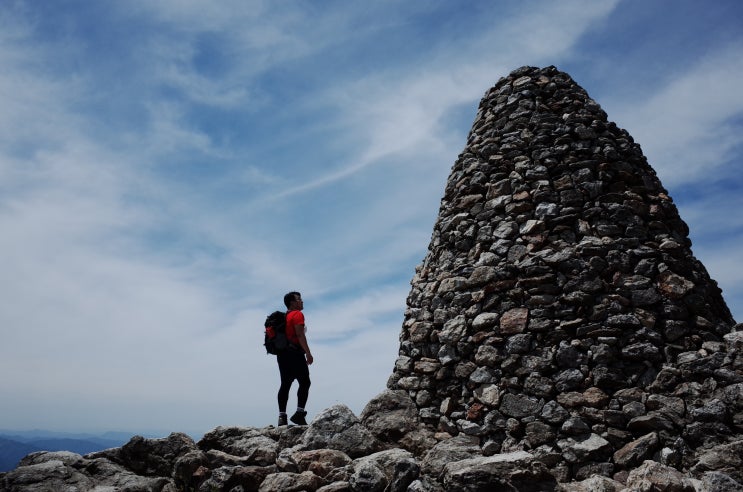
{"x":169,"y":169}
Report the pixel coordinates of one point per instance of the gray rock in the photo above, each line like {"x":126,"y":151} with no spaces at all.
{"x":641,"y":351}
{"x":151,"y":457}
{"x":585,"y":448}
{"x":519,"y":406}
{"x":286,"y":481}
{"x":596,"y":483}
{"x":652,"y":476}
{"x":726,"y":458}
{"x":390,"y":415}
{"x":339,"y":486}
{"x":392,"y":470}
{"x":635,"y":452}
{"x":453,"y":330}
{"x":554,"y":413}
{"x":569,"y":379}
{"x":538,"y":433}
{"x":483,"y":321}
{"x":650,"y":422}
{"x":232,"y":477}
{"x":482,"y":375}
{"x":713,"y":410}
{"x":487,"y":355}
{"x":489,"y":394}
{"x":569,"y":356}
{"x":518,"y":344}
{"x":185,"y":466}
{"x":321,"y":462}
{"x":257,"y":448}
{"x":46,"y":472}
{"x":719,"y":482}
{"x":338,"y":428}
{"x":454,"y":449}
{"x":575,"y":426}
{"x":510,"y":471}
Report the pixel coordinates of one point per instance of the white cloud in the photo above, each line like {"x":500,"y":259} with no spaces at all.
{"x":685,"y":129}
{"x":399,"y":111}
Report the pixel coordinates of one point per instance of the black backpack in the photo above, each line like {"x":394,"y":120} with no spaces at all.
{"x":275,"y":338}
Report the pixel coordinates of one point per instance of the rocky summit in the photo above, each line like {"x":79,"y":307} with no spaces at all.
{"x":559,"y":335}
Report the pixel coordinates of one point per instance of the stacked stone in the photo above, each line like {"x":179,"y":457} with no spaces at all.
{"x":559,"y":309}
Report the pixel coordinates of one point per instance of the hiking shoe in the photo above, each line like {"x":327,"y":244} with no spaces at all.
{"x":298,"y":418}
{"x":282,"y":420}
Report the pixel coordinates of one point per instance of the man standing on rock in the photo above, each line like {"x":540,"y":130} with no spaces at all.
{"x":294,"y":361}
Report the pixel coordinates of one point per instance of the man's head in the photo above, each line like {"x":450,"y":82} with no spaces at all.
{"x":293,"y":300}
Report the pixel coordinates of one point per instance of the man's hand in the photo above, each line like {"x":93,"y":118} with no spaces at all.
{"x":309,"y":358}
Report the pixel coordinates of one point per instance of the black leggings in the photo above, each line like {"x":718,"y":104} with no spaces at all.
{"x":292,"y":365}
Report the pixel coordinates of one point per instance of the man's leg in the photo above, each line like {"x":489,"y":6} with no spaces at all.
{"x":304,"y":390}
{"x":303,"y":377}
{"x":287,"y":378}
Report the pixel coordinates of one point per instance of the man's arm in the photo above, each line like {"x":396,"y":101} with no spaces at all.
{"x":299,"y":330}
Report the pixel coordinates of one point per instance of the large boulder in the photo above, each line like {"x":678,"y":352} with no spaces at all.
{"x":509,"y":471}
{"x":150,"y":457}
{"x":385,"y":471}
{"x":338,"y":428}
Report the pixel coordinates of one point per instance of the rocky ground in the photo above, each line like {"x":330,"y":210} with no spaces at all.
{"x":384,"y":449}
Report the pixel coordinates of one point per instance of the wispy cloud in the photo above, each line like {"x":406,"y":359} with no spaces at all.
{"x":399,"y":111}
{"x":690,"y":127}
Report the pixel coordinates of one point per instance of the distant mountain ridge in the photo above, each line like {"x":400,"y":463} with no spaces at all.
{"x":30,"y":435}
{"x":14,"y":445}
{"x":12,"y":451}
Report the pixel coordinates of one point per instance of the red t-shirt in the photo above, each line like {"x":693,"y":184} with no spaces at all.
{"x":293,"y":318}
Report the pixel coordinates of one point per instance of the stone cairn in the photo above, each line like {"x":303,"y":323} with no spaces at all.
{"x":560,"y":303}
{"x":559,"y":336}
